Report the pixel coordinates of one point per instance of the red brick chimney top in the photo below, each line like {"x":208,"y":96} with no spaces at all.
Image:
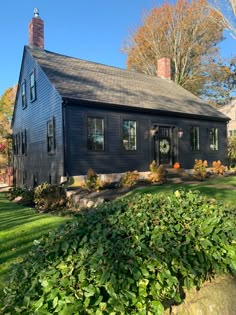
{"x":164,"y":68}
{"x":36,"y":31}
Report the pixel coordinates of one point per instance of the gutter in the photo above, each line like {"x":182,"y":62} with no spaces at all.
{"x":114,"y":106}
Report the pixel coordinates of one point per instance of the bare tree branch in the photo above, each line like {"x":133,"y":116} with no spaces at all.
{"x":227,"y":11}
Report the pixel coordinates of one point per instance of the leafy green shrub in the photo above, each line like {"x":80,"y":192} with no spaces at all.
{"x":129,"y":179}
{"x":131,"y":256}
{"x":14,"y":192}
{"x":26,"y":194}
{"x":218,"y":167}
{"x":200,"y":168}
{"x":158,"y":173}
{"x":48,"y":197}
{"x":93,"y":182}
{"x":232,"y":151}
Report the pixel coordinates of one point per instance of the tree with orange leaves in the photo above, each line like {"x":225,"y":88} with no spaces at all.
{"x":182,"y":32}
{"x":6,"y":108}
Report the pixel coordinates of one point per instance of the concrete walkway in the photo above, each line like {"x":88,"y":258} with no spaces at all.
{"x":4,"y":187}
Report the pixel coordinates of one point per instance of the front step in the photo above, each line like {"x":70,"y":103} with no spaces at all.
{"x":178,"y":175}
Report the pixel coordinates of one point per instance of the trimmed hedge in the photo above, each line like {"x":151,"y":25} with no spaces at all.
{"x":131,"y":256}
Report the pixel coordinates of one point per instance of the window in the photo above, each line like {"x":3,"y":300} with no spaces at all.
{"x":129,"y":140}
{"x":194,"y":138}
{"x":23,"y":95}
{"x":14,"y":145}
{"x":24,"y":177}
{"x":35,"y":180}
{"x":32,"y":87}
{"x":232,"y":133}
{"x":23,"y":143}
{"x":17,"y":144}
{"x":96,"y":138}
{"x":51,"y":144}
{"x":214,"y":139}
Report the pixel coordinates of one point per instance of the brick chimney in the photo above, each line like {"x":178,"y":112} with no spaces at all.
{"x":164,"y":68}
{"x":36,"y":31}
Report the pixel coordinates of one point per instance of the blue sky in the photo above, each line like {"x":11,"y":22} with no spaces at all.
{"x":92,"y":30}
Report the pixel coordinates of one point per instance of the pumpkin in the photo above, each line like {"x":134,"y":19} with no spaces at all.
{"x":176,"y":165}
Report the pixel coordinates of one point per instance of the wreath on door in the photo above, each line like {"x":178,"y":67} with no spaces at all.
{"x":164,"y":146}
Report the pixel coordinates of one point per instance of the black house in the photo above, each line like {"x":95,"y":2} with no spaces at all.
{"x":71,"y":115}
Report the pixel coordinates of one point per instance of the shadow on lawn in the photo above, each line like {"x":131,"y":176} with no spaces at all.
{"x":14,"y":222}
{"x":14,"y":251}
{"x":13,"y":247}
{"x":19,"y":227}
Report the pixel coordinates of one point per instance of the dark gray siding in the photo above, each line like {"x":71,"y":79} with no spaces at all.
{"x":114,"y":159}
{"x":38,"y":163}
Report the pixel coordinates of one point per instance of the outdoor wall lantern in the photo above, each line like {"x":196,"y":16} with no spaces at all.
{"x":180,"y":132}
{"x":154,"y":130}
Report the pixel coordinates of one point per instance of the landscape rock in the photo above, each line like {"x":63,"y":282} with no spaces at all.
{"x":75,"y":199}
{"x":99,"y":201}
{"x":83,"y":203}
{"x":17,"y":199}
{"x":94,"y":194}
{"x":216,"y":297}
{"x":90,"y":204}
{"x":70,"y":193}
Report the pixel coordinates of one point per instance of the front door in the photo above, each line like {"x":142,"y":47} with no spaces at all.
{"x":163,"y":144}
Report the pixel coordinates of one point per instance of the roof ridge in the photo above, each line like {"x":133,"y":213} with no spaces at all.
{"x":82,"y":79}
{"x":107,"y":66}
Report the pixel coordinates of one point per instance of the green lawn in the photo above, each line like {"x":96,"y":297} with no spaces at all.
{"x":19,"y":227}
{"x":228,"y":181}
{"x":221,"y":189}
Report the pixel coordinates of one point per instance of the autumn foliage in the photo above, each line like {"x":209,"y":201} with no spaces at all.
{"x":200,"y":168}
{"x":182,"y":32}
{"x":157,"y":173}
{"x":6,"y":108}
{"x":218,"y":167}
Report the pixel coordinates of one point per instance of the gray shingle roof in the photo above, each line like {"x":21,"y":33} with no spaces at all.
{"x":84,"y":80}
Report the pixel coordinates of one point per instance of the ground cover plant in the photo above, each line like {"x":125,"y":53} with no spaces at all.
{"x":19,"y":227}
{"x":135,"y":255}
